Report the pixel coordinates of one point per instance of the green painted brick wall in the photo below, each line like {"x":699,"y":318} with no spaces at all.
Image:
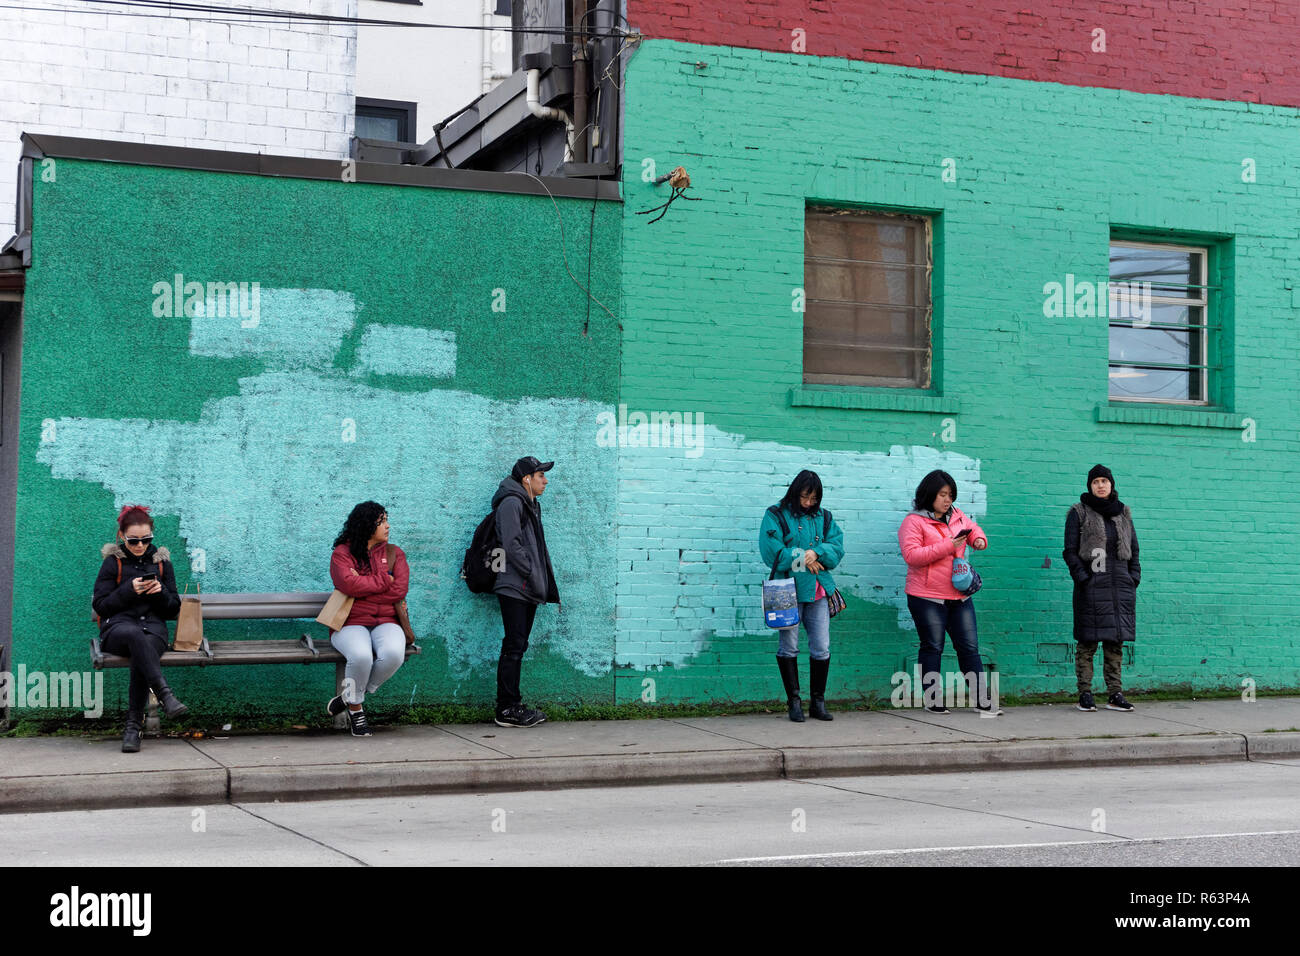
{"x":252,"y":443}
{"x":1045,"y":175}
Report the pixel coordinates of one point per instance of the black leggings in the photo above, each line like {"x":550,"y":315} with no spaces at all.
{"x":145,"y":650}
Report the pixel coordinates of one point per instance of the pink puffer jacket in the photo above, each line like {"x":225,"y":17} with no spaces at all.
{"x":928,"y":548}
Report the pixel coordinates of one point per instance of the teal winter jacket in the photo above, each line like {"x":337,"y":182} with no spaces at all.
{"x":805,"y":534}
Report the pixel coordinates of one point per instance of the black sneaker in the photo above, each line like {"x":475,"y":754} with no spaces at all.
{"x":336,"y":706}
{"x":360,"y":726}
{"x":1117,"y":702}
{"x":517,"y":715}
{"x":1086,"y":703}
{"x":938,"y":710}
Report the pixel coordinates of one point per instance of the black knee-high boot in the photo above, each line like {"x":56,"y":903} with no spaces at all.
{"x":790,"y":678}
{"x":817,"y":671}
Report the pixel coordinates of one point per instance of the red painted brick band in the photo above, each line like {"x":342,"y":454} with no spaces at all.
{"x":1225,"y":50}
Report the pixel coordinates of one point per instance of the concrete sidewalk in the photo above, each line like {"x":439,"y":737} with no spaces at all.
{"x":59,"y":773}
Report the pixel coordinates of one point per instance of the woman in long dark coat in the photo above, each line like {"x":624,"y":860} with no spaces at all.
{"x":1101,"y":550}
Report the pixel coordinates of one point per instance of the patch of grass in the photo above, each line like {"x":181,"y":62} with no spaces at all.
{"x":314,"y":720}
{"x":1286,"y":730}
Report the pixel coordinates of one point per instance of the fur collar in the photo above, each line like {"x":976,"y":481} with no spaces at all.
{"x":114,"y":549}
{"x":1092,"y":532}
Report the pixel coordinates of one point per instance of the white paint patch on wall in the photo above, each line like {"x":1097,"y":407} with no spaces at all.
{"x":263,"y":481}
{"x":295,"y":329}
{"x":404,"y":350}
{"x":689,"y":567}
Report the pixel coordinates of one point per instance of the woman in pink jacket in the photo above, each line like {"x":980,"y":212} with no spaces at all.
{"x":933,"y":534}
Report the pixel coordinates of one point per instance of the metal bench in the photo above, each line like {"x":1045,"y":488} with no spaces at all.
{"x":293,"y":605}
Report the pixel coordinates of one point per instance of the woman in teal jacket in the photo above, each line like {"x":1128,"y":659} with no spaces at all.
{"x":809,"y":545}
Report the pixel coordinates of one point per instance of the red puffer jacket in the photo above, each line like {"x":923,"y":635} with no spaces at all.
{"x":376,"y":591}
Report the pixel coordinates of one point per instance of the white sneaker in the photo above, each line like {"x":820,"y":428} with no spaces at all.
{"x":991,"y":712}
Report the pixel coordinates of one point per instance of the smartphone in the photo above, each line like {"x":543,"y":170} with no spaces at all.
{"x":151,"y":576}
{"x":962,"y":533}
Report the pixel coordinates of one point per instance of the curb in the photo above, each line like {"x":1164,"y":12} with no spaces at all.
{"x":98,"y":791}
{"x":1273,"y":745}
{"x":1013,"y":755}
{"x":265,"y":784}
{"x":102,"y":791}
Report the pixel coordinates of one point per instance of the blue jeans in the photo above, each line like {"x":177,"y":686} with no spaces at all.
{"x":816,"y":619}
{"x":958,"y":619}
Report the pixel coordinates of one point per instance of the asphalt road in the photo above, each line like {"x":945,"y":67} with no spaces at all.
{"x":1211,"y":814}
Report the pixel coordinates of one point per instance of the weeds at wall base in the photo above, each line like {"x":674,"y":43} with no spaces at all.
{"x":199,"y":725}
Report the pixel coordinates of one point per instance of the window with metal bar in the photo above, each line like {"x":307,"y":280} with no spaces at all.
{"x":1160,"y":308}
{"x":868,"y":304}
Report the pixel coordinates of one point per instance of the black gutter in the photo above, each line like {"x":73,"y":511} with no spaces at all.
{"x":39,"y":146}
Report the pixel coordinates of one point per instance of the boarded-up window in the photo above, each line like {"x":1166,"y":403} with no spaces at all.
{"x":867,"y":282}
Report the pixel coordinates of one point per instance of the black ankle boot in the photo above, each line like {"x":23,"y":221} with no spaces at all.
{"x":131,"y":736}
{"x":170,"y":705}
{"x":817,"y":671}
{"x":790,"y":678}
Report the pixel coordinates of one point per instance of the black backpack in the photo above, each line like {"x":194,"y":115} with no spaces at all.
{"x":477,"y":570}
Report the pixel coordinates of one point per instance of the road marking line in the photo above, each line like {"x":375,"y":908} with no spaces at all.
{"x":1000,"y":846}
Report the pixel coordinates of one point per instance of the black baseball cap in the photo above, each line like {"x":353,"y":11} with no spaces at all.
{"x":528,"y":465}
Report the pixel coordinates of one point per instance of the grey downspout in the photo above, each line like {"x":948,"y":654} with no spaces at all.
{"x":579,"y":83}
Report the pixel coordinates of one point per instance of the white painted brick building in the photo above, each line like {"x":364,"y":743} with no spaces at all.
{"x":270,"y":87}
{"x":148,"y":74}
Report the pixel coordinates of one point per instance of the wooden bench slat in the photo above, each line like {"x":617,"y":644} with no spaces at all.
{"x":243,"y":652}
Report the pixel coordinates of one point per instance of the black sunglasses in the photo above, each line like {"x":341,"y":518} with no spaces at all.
{"x":147,"y":539}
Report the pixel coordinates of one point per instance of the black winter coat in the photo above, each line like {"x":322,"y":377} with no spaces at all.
{"x":118,"y":605}
{"x":1105,"y":602}
{"x":527,"y":575}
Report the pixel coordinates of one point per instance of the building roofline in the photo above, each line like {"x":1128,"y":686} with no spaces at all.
{"x":39,"y":146}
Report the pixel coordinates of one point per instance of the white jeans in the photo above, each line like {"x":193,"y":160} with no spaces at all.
{"x":374,"y":654}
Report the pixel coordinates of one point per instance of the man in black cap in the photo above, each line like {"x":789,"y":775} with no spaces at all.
{"x":526,"y":581}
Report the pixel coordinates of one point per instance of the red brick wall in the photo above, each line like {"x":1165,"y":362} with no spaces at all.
{"x":1218,"y":49}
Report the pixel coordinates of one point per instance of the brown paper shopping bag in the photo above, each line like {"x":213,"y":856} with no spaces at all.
{"x":189,"y":625}
{"x":336,"y":610}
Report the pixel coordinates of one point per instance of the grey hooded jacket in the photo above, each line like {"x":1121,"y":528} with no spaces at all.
{"x":527,"y":575}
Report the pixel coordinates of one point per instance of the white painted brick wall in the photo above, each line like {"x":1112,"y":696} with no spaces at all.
{"x":169,"y":81}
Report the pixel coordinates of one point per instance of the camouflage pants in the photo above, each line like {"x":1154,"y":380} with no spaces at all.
{"x":1112,"y":656}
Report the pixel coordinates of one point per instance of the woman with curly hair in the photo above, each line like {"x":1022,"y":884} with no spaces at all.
{"x":371,"y":639}
{"x":135,"y":595}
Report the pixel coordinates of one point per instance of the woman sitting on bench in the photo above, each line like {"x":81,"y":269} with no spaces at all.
{"x":371,"y":639}
{"x":135,"y":595}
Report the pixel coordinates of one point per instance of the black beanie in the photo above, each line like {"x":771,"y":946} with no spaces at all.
{"x":1101,"y":471}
